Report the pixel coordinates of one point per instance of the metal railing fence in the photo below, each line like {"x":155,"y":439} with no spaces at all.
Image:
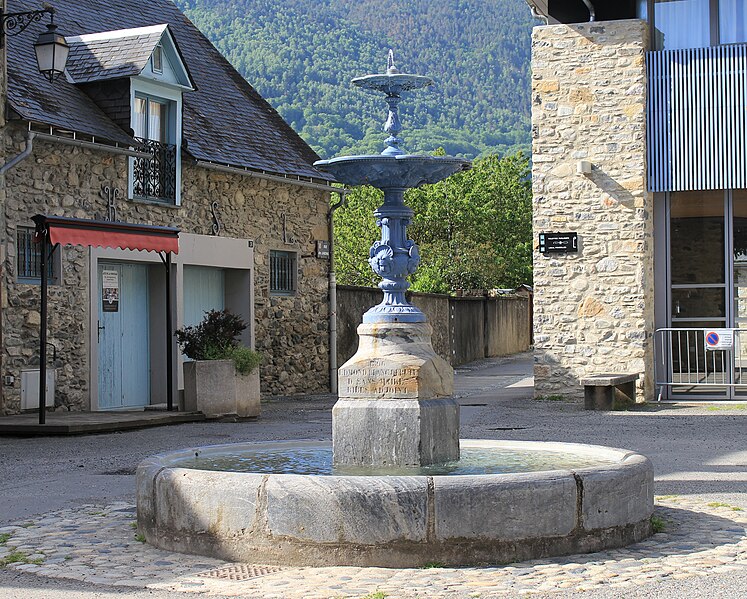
{"x":702,"y":362}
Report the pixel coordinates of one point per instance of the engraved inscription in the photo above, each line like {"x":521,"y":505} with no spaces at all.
{"x":376,"y":379}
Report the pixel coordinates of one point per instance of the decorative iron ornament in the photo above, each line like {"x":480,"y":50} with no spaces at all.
{"x":287,"y":239}
{"x":110,"y":195}
{"x":155,"y":178}
{"x":14,"y":23}
{"x":217,"y":225}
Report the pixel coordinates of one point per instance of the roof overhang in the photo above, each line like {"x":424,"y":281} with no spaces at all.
{"x":105,"y":234}
{"x":578,"y":11}
{"x":124,"y":53}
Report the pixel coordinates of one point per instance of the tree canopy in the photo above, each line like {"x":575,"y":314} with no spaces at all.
{"x":474,"y":229}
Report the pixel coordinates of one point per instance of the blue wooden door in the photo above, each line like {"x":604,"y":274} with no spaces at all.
{"x":123,"y":335}
{"x":204,"y":290}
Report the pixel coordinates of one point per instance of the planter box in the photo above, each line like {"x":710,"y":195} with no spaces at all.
{"x":214,"y":388}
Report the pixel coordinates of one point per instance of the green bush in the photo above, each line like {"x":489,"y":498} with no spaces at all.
{"x":245,"y":359}
{"x":216,"y":338}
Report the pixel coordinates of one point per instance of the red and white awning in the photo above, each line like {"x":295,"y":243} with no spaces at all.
{"x":105,"y":234}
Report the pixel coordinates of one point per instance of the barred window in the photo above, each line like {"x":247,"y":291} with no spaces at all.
{"x":28,"y":258}
{"x":282,"y":272}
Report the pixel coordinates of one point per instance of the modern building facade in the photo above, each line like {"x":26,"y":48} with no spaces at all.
{"x":639,"y":142}
{"x":151,"y":125}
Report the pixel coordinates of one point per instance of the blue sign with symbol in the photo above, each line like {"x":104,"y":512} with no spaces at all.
{"x":712,"y":338}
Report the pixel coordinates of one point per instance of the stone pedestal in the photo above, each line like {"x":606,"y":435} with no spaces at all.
{"x":395,"y":407}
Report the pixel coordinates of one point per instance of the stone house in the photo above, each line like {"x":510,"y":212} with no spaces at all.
{"x":639,"y":130}
{"x":151,"y":125}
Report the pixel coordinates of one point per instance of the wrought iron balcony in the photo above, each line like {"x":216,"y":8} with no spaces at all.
{"x":155,"y":178}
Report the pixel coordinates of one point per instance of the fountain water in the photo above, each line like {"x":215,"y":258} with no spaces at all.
{"x":391,"y":491}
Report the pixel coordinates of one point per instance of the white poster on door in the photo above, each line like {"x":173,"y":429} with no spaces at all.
{"x":110,"y":290}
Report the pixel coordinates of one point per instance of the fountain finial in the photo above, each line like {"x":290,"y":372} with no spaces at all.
{"x":390,"y":68}
{"x":392,"y":83}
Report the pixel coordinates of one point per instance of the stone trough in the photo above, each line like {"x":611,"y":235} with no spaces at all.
{"x":395,"y":521}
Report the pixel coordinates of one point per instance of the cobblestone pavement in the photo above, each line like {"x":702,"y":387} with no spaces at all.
{"x":99,"y":544}
{"x":84,"y":544}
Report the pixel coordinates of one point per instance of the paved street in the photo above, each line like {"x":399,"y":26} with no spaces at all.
{"x":67,"y":504}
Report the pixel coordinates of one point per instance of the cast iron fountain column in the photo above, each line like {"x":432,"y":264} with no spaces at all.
{"x":395,"y":406}
{"x":394,"y":258}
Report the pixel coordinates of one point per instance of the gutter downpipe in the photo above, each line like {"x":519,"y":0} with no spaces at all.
{"x":536,"y":13}
{"x":78,"y":143}
{"x":592,"y":12}
{"x":30,"y":135}
{"x":81,"y":143}
{"x":333,"y":291}
{"x":266,"y":176}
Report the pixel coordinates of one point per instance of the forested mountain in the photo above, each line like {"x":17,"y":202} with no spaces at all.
{"x":301,"y":55}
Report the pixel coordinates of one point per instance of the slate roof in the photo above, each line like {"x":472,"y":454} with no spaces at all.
{"x":112,"y":55}
{"x":225,"y":120}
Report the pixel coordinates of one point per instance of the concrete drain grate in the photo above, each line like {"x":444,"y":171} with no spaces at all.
{"x":239,"y":572}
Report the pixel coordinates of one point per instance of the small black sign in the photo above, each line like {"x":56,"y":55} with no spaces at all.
{"x":322,"y":249}
{"x":558,"y":242}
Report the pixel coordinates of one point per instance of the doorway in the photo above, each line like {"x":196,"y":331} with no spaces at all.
{"x":123,"y":336}
{"x":706,"y":269}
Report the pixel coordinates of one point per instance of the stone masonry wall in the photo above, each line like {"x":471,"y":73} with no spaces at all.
{"x":3,"y":158}
{"x":593,"y":310}
{"x":291,"y":332}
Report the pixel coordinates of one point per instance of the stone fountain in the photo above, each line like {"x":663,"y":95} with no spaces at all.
{"x":395,"y":406}
{"x":394,"y":490}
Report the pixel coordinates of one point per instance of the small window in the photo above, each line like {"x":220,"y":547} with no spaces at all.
{"x":282,"y":272}
{"x":157,"y":59}
{"x":28,"y":259}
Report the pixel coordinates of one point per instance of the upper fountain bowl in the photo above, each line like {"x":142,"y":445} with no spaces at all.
{"x":392,"y":83}
{"x":392,"y":172}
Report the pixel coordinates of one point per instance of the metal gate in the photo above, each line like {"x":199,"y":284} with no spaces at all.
{"x":701,"y":363}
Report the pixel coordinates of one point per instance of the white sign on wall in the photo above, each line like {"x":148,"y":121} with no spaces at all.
{"x":719,"y":339}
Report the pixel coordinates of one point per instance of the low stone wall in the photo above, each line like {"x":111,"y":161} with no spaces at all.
{"x":464,"y":328}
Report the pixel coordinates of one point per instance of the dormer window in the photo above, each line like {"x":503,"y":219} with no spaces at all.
{"x":142,"y":67}
{"x":157,"y":59}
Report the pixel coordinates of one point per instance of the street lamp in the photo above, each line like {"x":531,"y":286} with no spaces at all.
{"x":50,"y":47}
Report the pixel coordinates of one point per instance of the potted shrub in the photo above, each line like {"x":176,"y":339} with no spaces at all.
{"x":223,"y":377}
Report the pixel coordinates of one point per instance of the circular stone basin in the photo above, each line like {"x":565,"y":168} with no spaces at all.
{"x":577,"y":498}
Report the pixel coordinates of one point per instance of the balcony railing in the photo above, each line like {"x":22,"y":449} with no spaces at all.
{"x":155,"y":178}
{"x":697,"y":122}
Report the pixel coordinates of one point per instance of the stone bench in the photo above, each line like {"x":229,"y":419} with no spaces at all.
{"x":609,"y":391}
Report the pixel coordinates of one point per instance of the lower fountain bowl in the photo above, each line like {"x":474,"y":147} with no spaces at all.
{"x":391,"y":520}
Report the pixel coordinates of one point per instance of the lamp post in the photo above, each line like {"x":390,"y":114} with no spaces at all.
{"x":51,"y":48}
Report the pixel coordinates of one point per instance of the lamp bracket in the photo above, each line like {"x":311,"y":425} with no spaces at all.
{"x":14,"y":23}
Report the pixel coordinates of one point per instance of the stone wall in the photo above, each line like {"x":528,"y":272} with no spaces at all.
{"x":61,"y":180}
{"x":464,"y":328}
{"x":593,"y":310}
{"x":3,"y":158}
